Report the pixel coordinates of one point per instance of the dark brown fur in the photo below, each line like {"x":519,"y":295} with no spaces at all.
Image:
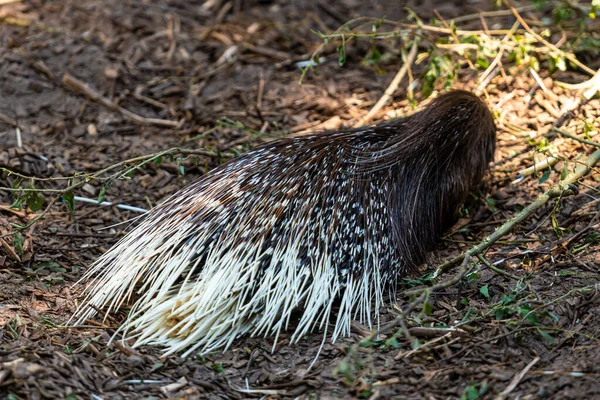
{"x":444,"y":151}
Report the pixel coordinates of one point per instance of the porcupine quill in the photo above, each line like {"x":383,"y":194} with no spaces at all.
{"x":299,"y":224}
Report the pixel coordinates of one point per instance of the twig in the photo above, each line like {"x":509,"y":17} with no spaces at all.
{"x":394,"y":84}
{"x":517,"y":379}
{"x":591,"y":85}
{"x":496,"y":269}
{"x":561,"y":132}
{"x":539,"y":81}
{"x":556,"y":191}
{"x":109,"y":204}
{"x":19,"y":138}
{"x":91,"y":93}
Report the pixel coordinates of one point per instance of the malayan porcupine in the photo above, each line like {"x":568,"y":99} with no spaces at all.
{"x":299,"y":224}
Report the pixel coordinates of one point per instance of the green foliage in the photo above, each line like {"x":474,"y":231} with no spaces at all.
{"x":485,"y":291}
{"x":341,"y":49}
{"x":475,"y":391}
{"x":218,"y":368}
{"x":18,"y":243}
{"x":440,"y":69}
{"x":103,"y":190}
{"x":346,"y":372}
{"x":545,"y":176}
{"x":69,"y":199}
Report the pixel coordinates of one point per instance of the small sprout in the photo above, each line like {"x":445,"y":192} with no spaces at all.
{"x":342,"y":50}
{"x":102,"y":194}
{"x":18,"y":243}
{"x":69,"y":199}
{"x":427,"y":308}
{"x":491,"y":203}
{"x":218,"y":368}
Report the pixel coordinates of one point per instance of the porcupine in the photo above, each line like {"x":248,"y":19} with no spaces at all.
{"x":307,"y":224}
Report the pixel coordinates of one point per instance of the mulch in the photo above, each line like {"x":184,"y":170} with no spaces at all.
{"x":89,"y":84}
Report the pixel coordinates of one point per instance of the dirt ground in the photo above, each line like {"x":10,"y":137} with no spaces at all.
{"x":222,"y":76}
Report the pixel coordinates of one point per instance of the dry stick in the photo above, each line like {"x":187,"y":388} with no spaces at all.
{"x":556,"y":191}
{"x":91,"y":93}
{"x":424,"y":295}
{"x":394,"y":84}
{"x":592,"y":85}
{"x":517,"y":379}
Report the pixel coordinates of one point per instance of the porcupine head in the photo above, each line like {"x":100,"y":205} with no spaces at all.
{"x":300,"y":234}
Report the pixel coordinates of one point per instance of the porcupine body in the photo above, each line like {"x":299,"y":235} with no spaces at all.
{"x":297,"y":224}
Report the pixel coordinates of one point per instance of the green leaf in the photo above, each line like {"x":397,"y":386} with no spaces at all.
{"x":534,"y":63}
{"x":102,"y":194}
{"x":428,"y":86}
{"x":485,"y":291}
{"x":34,"y":201}
{"x":482,"y":63}
{"x":156,"y":366}
{"x":470,"y":393}
{"x":564,"y":173}
{"x":491,"y":204}
{"x":392,"y":342}
{"x":50,"y":265}
{"x":342,"y":57}
{"x":218,"y":368}
{"x":473,"y":277}
{"x":427,"y":308}
{"x":499,"y":313}
{"x":508,"y":299}
{"x":17,"y":204}
{"x":18,"y":243}
{"x":546,"y":336}
{"x":545,"y":177}
{"x":69,"y":200}
{"x":373,"y":57}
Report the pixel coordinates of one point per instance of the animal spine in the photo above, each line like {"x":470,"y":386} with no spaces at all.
{"x":297,"y":224}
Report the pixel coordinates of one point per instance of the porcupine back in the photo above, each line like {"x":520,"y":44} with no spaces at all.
{"x":297,"y":224}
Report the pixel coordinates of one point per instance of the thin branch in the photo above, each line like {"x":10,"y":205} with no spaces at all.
{"x":387,"y":95}
{"x":563,"y":133}
{"x":517,"y":379}
{"x":91,"y":93}
{"x":555,"y":191}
